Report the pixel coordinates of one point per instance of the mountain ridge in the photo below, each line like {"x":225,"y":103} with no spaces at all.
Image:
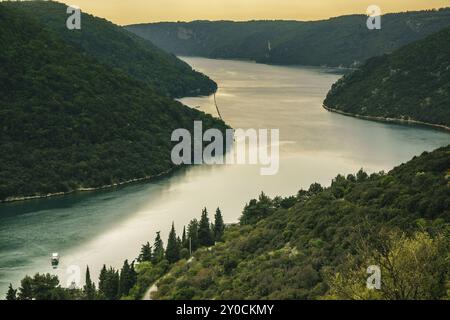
{"x":120,"y":49}
{"x":338,"y":41}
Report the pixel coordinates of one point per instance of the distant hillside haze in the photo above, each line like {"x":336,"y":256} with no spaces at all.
{"x":412,"y":83}
{"x":342,"y":41}
{"x":119,"y":49}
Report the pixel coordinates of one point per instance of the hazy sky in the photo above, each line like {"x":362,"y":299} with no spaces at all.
{"x":135,"y":11}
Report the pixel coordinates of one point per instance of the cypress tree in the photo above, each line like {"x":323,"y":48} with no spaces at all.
{"x":192,"y":239}
{"x":12,"y":294}
{"x":133,"y":275}
{"x":219,"y":225}
{"x":180,"y":243}
{"x":158,"y":251}
{"x":110,"y":288}
{"x":126,"y":279}
{"x":184,"y":240}
{"x":102,"y":282}
{"x":89,"y":287}
{"x":173,"y":249}
{"x":205,"y":236}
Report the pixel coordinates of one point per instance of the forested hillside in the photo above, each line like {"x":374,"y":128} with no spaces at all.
{"x":319,"y":243}
{"x":120,"y":49}
{"x":315,"y":245}
{"x":69,"y":122}
{"x":342,"y":41}
{"x":413,"y":83}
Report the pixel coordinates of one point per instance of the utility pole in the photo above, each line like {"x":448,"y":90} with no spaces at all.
{"x":217,"y":108}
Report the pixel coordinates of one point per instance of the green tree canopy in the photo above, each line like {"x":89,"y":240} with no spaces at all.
{"x":219,"y":225}
{"x":173,"y":247}
{"x":205,"y":235}
{"x":158,"y":251}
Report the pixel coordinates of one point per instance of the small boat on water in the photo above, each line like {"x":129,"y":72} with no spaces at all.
{"x":55,"y":260}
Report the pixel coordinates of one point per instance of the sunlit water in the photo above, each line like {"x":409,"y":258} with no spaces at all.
{"x":109,"y":226}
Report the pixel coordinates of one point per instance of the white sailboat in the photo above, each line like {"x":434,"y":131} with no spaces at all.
{"x":55,"y":260}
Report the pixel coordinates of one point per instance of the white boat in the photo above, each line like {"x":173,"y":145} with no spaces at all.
{"x":55,"y":260}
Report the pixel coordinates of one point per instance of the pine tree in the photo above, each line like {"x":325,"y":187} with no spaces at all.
{"x":102,"y":282}
{"x":219,"y":225}
{"x":128,"y":278}
{"x":89,"y":287}
{"x":26,"y":289}
{"x":114,"y":284}
{"x":192,"y":236}
{"x":184,"y":240}
{"x":256,"y":210}
{"x":205,"y":236}
{"x":124,"y":280}
{"x":109,"y":283}
{"x":173,"y":249}
{"x":180,"y":243}
{"x":41,"y":287}
{"x":12,"y":294}
{"x":146,"y":253}
{"x":133,"y":275}
{"x":158,"y":251}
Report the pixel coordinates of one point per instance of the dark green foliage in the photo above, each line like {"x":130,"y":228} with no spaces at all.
{"x":173,"y":247}
{"x":337,"y":41}
{"x":68,"y":122}
{"x":158,"y":251}
{"x":111,"y":286}
{"x":192,"y":240}
{"x":179,"y":242}
{"x":205,"y":234}
{"x":292,"y":250}
{"x":315,"y":188}
{"x":89,"y":287}
{"x":42,"y":287}
{"x":412,"y":83}
{"x":288,"y":202}
{"x":285,"y":252}
{"x":26,"y":289}
{"x":219,"y":226}
{"x":102,"y":282}
{"x":146,"y":253}
{"x":128,"y":278}
{"x":11,"y":294}
{"x":122,"y":50}
{"x":108,"y":285}
{"x":255,"y":210}
{"x":184,"y":253}
{"x":184,"y":239}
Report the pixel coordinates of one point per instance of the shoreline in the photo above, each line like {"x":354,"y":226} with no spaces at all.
{"x":390,"y":120}
{"x":147,"y":178}
{"x":55,"y":194}
{"x":274,"y":64}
